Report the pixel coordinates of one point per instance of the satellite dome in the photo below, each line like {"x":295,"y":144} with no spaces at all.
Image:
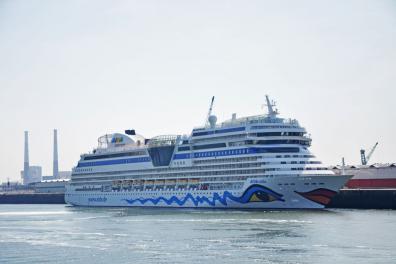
{"x":212,"y":121}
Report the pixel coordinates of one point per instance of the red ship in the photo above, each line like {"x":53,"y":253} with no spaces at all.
{"x":373,"y":176}
{"x":370,"y":176}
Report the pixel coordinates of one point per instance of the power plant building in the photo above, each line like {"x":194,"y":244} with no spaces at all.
{"x":34,"y":174}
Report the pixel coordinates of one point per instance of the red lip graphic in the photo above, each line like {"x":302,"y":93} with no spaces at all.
{"x":321,"y":195}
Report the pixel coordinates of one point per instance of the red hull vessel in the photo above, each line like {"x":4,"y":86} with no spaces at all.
{"x":374,"y":176}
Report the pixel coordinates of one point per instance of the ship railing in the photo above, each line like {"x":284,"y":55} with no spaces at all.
{"x":117,"y":149}
{"x":163,"y":140}
{"x":259,"y":119}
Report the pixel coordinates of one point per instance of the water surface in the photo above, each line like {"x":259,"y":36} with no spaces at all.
{"x":63,"y":234}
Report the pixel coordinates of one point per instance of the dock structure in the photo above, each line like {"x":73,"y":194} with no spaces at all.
{"x":364,"y":199}
{"x":32,"y":198}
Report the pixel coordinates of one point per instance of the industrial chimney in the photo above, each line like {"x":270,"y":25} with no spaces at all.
{"x":26,"y":159}
{"x":55,"y":164}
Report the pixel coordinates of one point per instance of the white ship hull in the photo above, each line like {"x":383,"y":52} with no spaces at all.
{"x":292,"y":192}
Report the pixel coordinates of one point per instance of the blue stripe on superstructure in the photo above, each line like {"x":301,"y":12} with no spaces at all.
{"x":205,"y":133}
{"x":227,"y":130}
{"x":242,"y":151}
{"x":113,"y":162}
{"x":203,"y":154}
{"x":182,"y":156}
{"x":219,"y":131}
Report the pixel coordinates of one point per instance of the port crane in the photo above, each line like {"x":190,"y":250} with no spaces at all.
{"x":365,"y":159}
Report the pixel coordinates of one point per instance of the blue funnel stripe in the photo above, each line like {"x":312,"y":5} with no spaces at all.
{"x":220,"y":199}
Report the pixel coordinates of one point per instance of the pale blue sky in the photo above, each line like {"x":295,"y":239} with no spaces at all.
{"x":91,"y":67}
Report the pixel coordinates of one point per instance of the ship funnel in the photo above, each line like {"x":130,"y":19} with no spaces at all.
{"x":55,"y":163}
{"x":26,"y":159}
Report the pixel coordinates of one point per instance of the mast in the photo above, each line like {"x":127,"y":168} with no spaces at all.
{"x":271,"y":111}
{"x":209,"y":112}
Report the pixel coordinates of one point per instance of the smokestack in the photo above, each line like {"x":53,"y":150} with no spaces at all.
{"x":55,"y":164}
{"x":26,"y":159}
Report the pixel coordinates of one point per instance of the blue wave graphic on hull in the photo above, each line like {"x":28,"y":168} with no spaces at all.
{"x":255,"y":193}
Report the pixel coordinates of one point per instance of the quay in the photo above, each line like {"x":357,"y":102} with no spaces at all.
{"x":364,"y":199}
{"x":346,"y":198}
{"x":32,"y":198}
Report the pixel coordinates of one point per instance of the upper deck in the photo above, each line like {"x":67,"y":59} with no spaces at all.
{"x":252,"y":120}
{"x":269,"y":125}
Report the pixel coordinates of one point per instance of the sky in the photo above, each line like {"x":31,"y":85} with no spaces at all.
{"x":93,"y":67}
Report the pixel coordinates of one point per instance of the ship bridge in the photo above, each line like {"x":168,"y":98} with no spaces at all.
{"x":161,"y":149}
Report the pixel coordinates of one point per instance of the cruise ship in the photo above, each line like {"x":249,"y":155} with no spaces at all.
{"x":254,"y":162}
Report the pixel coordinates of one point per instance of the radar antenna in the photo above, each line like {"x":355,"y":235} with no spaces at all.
{"x":209,"y":112}
{"x":271,"y":111}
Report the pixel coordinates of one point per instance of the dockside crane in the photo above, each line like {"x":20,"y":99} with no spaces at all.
{"x":365,"y":159}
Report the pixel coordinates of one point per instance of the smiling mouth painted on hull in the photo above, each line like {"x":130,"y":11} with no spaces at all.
{"x":321,"y":196}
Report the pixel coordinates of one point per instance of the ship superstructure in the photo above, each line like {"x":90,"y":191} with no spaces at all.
{"x":252,"y":162}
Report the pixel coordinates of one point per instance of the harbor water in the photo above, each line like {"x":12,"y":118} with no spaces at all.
{"x":63,"y":234}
